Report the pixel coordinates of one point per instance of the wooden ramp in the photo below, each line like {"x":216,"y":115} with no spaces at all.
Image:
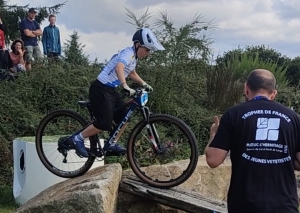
{"x":176,"y":197}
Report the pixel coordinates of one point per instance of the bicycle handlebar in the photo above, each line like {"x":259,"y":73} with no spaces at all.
{"x":138,"y":92}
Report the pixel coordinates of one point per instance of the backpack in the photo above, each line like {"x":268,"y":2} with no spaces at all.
{"x":5,"y":61}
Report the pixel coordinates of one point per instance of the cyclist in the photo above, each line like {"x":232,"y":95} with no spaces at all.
{"x":104,"y":96}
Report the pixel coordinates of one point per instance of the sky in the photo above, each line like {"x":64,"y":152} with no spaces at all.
{"x":102,"y":27}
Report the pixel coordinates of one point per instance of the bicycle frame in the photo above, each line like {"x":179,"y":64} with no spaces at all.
{"x":133,"y":104}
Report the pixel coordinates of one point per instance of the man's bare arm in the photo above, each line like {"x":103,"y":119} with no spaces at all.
{"x":37,"y":32}
{"x":29,"y":33}
{"x":214,"y":156}
{"x":297,"y":162}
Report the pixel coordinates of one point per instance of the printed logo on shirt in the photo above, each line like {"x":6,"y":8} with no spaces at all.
{"x":267,"y":129}
{"x":267,"y":139}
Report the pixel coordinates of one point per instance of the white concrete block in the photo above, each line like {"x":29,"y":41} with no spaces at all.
{"x":30,"y":176}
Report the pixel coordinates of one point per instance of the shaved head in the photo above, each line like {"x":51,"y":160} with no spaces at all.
{"x":261,"y":79}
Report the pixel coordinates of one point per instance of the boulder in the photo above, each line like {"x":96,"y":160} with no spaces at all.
{"x":128,"y":203}
{"x":96,"y":191}
{"x":211,"y":183}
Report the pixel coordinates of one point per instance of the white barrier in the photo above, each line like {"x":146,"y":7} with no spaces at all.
{"x":30,"y":176}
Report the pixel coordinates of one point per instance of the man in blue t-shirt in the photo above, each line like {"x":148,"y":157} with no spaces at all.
{"x":30,"y":30}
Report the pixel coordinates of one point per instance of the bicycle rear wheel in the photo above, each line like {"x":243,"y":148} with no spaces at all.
{"x":179,"y":156}
{"x":54,"y":128}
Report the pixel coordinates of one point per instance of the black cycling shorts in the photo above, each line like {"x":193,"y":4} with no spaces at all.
{"x":104,"y":100}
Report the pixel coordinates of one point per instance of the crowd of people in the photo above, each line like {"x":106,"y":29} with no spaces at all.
{"x":25,"y":50}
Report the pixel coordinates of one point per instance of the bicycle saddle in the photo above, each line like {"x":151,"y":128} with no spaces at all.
{"x":84,"y":103}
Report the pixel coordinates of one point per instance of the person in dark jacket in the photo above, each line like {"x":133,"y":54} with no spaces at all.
{"x":51,"y":39}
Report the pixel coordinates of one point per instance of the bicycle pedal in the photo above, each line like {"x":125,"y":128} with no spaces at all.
{"x":98,"y":153}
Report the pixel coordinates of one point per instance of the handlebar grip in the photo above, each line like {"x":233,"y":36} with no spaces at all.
{"x":126,"y":92}
{"x":147,"y":89}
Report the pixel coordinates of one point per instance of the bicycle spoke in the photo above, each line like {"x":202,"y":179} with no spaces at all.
{"x":176,"y":143}
{"x":55,"y":153}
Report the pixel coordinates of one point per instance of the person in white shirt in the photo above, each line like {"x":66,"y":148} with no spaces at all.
{"x":104,"y":96}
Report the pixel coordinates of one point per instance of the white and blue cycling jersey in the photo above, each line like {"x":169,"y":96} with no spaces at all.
{"x":108,"y":75}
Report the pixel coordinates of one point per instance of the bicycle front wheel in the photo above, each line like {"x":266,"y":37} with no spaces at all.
{"x":54,"y":128}
{"x":179,"y":151}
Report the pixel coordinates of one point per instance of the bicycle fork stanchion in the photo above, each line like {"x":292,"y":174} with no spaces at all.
{"x":146,"y":114}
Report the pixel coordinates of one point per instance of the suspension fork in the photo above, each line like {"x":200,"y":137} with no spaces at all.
{"x":152,"y":133}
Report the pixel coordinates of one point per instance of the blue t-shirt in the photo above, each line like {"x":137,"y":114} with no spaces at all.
{"x":32,"y":26}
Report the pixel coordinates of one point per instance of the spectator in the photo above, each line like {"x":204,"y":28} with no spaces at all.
{"x":2,"y":35}
{"x":263,"y":137}
{"x":30,"y":30}
{"x":51,"y":39}
{"x":5,"y":60}
{"x":18,"y":56}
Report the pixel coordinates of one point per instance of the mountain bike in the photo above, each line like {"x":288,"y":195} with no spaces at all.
{"x":162,"y":149}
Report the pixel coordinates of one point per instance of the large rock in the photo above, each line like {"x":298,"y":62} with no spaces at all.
{"x":128,"y":203}
{"x":211,"y":183}
{"x":96,"y":191}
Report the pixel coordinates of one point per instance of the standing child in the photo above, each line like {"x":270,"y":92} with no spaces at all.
{"x":51,"y":39}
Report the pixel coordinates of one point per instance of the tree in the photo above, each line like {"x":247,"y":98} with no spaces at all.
{"x":225,"y":80}
{"x":11,"y":16}
{"x":179,"y":70}
{"x":293,"y":72}
{"x":265,"y":54}
{"x":73,"y":51}
{"x":183,"y":43}
{"x":177,"y":74}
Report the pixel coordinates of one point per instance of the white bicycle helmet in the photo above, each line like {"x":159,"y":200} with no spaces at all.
{"x":147,"y":39}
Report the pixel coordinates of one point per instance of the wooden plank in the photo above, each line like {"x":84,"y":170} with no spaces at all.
{"x":175,"y":197}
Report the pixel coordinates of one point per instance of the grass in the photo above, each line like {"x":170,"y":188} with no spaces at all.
{"x":7,"y":202}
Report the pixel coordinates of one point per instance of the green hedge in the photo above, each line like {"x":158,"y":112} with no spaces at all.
{"x":181,"y":92}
